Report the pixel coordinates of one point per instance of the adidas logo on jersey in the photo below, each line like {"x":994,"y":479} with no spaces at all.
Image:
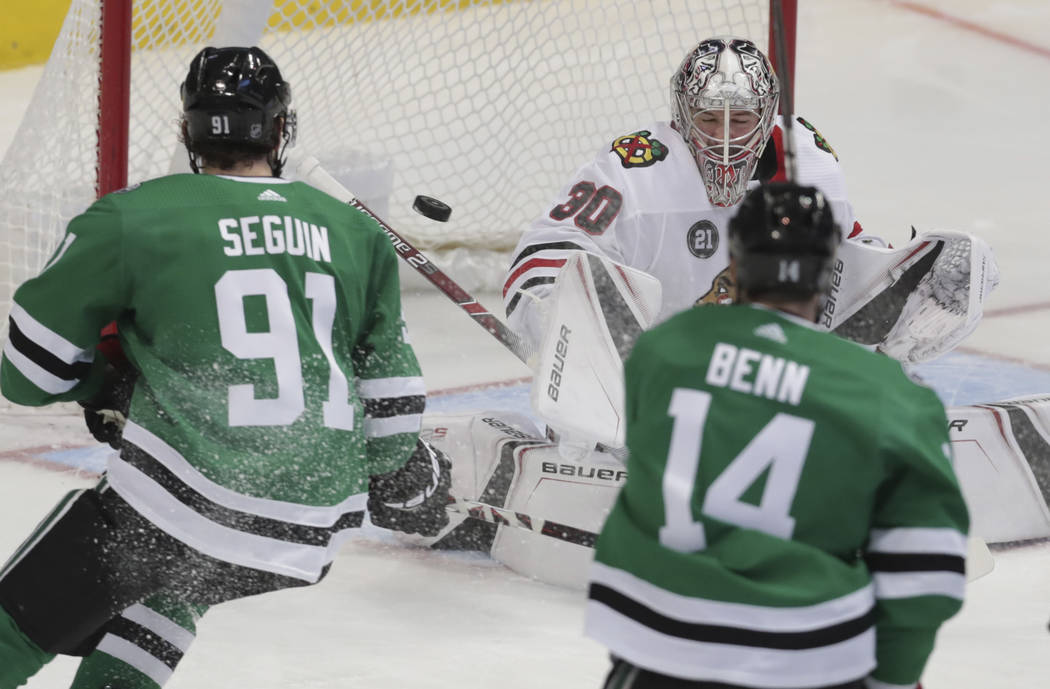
{"x":271,"y":195}
{"x":772,"y":331}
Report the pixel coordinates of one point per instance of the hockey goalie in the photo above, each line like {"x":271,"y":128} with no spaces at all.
{"x":912,"y":303}
{"x":629,"y":243}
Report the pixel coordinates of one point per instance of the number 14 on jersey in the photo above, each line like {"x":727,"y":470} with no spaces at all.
{"x":781,"y":446}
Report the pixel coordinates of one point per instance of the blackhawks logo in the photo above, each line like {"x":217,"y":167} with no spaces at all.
{"x":821,"y":142}
{"x":638,"y":149}
{"x":723,"y":291}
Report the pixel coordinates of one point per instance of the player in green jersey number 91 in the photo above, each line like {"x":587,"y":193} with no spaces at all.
{"x":271,"y":395}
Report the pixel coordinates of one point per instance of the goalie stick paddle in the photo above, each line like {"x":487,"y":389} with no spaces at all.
{"x":309,"y":170}
{"x":979,"y":560}
{"x":499,"y":515}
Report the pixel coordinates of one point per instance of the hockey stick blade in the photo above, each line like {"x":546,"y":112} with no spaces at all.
{"x":309,"y":170}
{"x":499,"y":515}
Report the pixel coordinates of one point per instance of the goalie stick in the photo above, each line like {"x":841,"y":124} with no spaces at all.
{"x":309,"y":170}
{"x":499,"y":515}
{"x":979,"y":559}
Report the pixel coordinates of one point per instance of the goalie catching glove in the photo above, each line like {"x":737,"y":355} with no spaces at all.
{"x":413,"y":499}
{"x":914,"y":303}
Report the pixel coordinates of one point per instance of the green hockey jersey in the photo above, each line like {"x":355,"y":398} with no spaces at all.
{"x":265,"y":319}
{"x":790,"y":518}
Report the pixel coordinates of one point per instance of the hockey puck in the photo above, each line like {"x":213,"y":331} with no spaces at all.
{"x":431,"y":208}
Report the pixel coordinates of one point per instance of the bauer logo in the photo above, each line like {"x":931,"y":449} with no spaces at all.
{"x":585,"y":471}
{"x":561,"y":350}
{"x":827,"y":316}
{"x":638,"y":150}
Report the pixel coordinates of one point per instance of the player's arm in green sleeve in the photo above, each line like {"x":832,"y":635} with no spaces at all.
{"x":408,"y":490}
{"x":389,"y":381}
{"x":56,"y":317}
{"x":917,"y":547}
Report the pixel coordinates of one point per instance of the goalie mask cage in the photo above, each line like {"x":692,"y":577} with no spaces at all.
{"x":488,"y":105}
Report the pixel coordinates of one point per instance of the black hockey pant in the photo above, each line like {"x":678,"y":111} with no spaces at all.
{"x":93,"y":557}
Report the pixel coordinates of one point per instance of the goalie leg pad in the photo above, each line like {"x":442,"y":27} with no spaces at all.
{"x":1002,"y":460}
{"x":476,"y":444}
{"x":547,"y":487}
{"x":597,"y":311}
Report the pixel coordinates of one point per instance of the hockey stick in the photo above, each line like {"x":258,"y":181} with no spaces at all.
{"x":978,"y":558}
{"x":498,"y":515}
{"x":309,"y":170}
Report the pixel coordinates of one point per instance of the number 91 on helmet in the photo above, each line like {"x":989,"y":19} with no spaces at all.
{"x":236,"y":104}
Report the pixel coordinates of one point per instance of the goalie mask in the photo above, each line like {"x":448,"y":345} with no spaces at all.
{"x":234,"y":99}
{"x":783,"y":239}
{"x":724,"y":100}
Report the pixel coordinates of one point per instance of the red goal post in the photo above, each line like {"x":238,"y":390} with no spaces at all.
{"x":487,"y":104}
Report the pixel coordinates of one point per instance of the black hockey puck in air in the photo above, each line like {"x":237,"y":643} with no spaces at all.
{"x":430,"y":207}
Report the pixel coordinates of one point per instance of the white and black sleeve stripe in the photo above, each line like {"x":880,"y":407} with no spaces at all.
{"x":48,"y":360}
{"x":392,"y":405}
{"x":908,"y":562}
{"x":538,"y":264}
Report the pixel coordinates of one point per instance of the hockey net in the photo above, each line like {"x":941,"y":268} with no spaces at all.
{"x":486,"y":104}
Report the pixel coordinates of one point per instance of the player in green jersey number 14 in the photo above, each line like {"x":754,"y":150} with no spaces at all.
{"x":791,"y":518}
{"x":272,"y":395}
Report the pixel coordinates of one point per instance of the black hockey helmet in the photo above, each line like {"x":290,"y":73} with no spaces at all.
{"x":783,"y":238}
{"x":236,"y":99}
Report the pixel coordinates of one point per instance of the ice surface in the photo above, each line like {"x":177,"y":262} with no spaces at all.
{"x":936,"y":126}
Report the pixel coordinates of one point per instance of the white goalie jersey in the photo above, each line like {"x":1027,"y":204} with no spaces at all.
{"x":641,"y":203}
{"x":656,"y":246}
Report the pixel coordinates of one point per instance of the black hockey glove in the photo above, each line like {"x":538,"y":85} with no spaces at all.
{"x":106,"y":412}
{"x":413,"y":498}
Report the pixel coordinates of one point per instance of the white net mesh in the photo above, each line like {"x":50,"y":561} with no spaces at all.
{"x":484,"y":104}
